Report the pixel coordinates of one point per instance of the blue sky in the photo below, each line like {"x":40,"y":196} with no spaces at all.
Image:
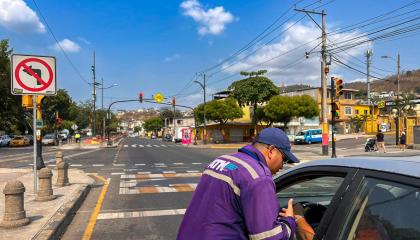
{"x":159,"y":45}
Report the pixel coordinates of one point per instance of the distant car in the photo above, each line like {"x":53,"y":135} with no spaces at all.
{"x":167,"y":138}
{"x":19,"y":141}
{"x":48,"y":139}
{"x":308,"y":136}
{"x":356,"y":198}
{"x":4,"y":140}
{"x":31,"y":139}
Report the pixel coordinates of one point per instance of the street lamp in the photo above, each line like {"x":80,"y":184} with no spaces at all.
{"x":102,"y":101}
{"x":397,"y":123}
{"x":203,"y":86}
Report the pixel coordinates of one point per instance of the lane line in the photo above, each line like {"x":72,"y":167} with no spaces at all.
{"x":134,"y":145}
{"x":76,"y":165}
{"x":140,"y":164}
{"x":140,"y":214}
{"x":93,"y":218}
{"x":178,"y":163}
{"x":117,"y":173}
{"x":196,"y":163}
{"x":98,"y":165}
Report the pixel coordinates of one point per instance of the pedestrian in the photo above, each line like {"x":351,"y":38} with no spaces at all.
{"x":403,"y":140}
{"x":77,"y":137}
{"x":380,"y":140}
{"x":236,"y":195}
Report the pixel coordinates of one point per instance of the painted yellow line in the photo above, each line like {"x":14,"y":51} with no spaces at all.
{"x":92,"y":221}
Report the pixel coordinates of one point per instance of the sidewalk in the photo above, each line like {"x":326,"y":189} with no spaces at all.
{"x":48,"y":219}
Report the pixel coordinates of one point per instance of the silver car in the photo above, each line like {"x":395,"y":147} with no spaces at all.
{"x":4,"y":140}
{"x":356,"y":198}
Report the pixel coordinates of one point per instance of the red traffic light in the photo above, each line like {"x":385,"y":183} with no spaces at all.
{"x":173,"y":101}
{"x":339,"y":82}
{"x":141,"y":97}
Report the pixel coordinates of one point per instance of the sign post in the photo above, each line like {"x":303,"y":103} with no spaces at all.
{"x":33,"y":75}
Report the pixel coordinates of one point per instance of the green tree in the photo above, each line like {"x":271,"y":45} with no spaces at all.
{"x":262,"y":118}
{"x":153,"y":125}
{"x":61,"y":104}
{"x":12,"y":117}
{"x":199,"y":114}
{"x":284,"y":108}
{"x":253,"y":90}
{"x":168,"y":113}
{"x":222,"y":111}
{"x":137,"y":129}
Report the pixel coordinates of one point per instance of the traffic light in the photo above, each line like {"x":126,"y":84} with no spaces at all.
{"x":173,"y":101}
{"x":141,"y":97}
{"x":27,"y":101}
{"x":338,"y":87}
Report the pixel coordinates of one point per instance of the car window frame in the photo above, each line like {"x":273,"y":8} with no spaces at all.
{"x":355,"y":189}
{"x":291,"y":177}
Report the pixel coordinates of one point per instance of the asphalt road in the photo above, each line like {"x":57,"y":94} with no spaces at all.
{"x":150,"y":185}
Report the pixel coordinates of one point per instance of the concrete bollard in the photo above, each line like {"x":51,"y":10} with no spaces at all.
{"x":14,"y":212}
{"x":58,"y":157}
{"x":45,"y":192}
{"x":62,"y":174}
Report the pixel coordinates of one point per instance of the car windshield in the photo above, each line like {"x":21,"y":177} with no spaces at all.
{"x":48,"y":137}
{"x":300,"y":134}
{"x":18,"y":138}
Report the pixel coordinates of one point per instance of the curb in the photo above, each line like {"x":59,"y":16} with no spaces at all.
{"x":58,"y":223}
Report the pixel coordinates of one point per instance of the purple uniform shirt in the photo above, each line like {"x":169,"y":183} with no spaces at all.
{"x":236,"y":199}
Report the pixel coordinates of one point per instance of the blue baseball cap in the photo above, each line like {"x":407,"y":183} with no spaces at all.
{"x":277,"y":138}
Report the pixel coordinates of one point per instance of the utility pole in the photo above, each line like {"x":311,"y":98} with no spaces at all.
{"x":397,"y":119}
{"x":324,"y":72}
{"x":102,"y":108}
{"x":203,"y":86}
{"x":94,"y":95}
{"x":371,"y":104}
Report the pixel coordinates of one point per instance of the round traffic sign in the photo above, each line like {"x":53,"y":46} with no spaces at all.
{"x":44,"y":84}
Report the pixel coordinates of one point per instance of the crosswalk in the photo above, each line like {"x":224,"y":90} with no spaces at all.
{"x":150,"y":145}
{"x":145,"y":182}
{"x":154,"y":165}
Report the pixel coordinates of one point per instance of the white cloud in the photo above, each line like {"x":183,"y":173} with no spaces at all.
{"x":16,"y":16}
{"x":174,"y":57}
{"x":292,"y":67}
{"x":67,"y":46}
{"x":211,"y":21}
{"x":84,"y":40}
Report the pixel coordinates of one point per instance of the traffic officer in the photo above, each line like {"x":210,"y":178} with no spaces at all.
{"x":236,"y":197}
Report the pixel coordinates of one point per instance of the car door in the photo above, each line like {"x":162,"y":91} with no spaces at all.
{"x":318,"y":188}
{"x":379,"y":206}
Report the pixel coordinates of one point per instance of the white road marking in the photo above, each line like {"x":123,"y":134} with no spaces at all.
{"x":168,"y":172}
{"x":139,"y":214}
{"x":51,"y":165}
{"x":76,"y":165}
{"x":178,"y":163}
{"x":117,"y":173}
{"x":155,"y":145}
{"x":140,"y":164}
{"x":193,"y":171}
{"x":125,"y":145}
{"x":148,"y":145}
{"x":160,"y":164}
{"x":143,"y":172}
{"x":134,"y":145}
{"x":163,"y":145}
{"x":118,"y":164}
{"x":98,"y":165}
{"x":196,"y":163}
{"x":141,"y":145}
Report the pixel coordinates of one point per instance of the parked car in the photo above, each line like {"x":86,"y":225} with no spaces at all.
{"x":19,"y":141}
{"x":4,"y":140}
{"x":309,"y":136}
{"x":356,"y":198}
{"x":48,"y":139}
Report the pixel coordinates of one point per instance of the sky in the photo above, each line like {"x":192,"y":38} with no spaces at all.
{"x":153,"y":46}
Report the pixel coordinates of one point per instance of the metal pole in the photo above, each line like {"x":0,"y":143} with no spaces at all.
{"x":94,"y":95}
{"x":368,"y":63}
{"x":204,"y":111}
{"x":333,"y":112}
{"x":173,"y":106}
{"x":397,"y":119}
{"x":35,"y":143}
{"x":324,"y":89}
{"x":102,"y":108}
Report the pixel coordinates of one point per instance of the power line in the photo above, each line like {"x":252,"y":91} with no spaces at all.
{"x":58,"y":44}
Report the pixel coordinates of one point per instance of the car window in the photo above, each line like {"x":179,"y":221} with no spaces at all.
{"x":384,"y":210}
{"x":314,"y":194}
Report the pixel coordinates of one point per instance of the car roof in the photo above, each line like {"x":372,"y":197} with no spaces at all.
{"x":409,"y":166}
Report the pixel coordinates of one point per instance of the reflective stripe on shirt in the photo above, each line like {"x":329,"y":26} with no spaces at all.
{"x":224,"y":178}
{"x":251,"y":170}
{"x":270,"y":233}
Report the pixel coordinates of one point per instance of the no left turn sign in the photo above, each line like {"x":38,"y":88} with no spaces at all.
{"x":33,"y":75}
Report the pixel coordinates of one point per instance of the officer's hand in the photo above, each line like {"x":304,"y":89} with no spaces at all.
{"x":287,"y":212}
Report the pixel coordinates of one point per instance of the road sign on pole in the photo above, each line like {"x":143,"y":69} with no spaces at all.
{"x":34,"y":75}
{"x":381,"y":104}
